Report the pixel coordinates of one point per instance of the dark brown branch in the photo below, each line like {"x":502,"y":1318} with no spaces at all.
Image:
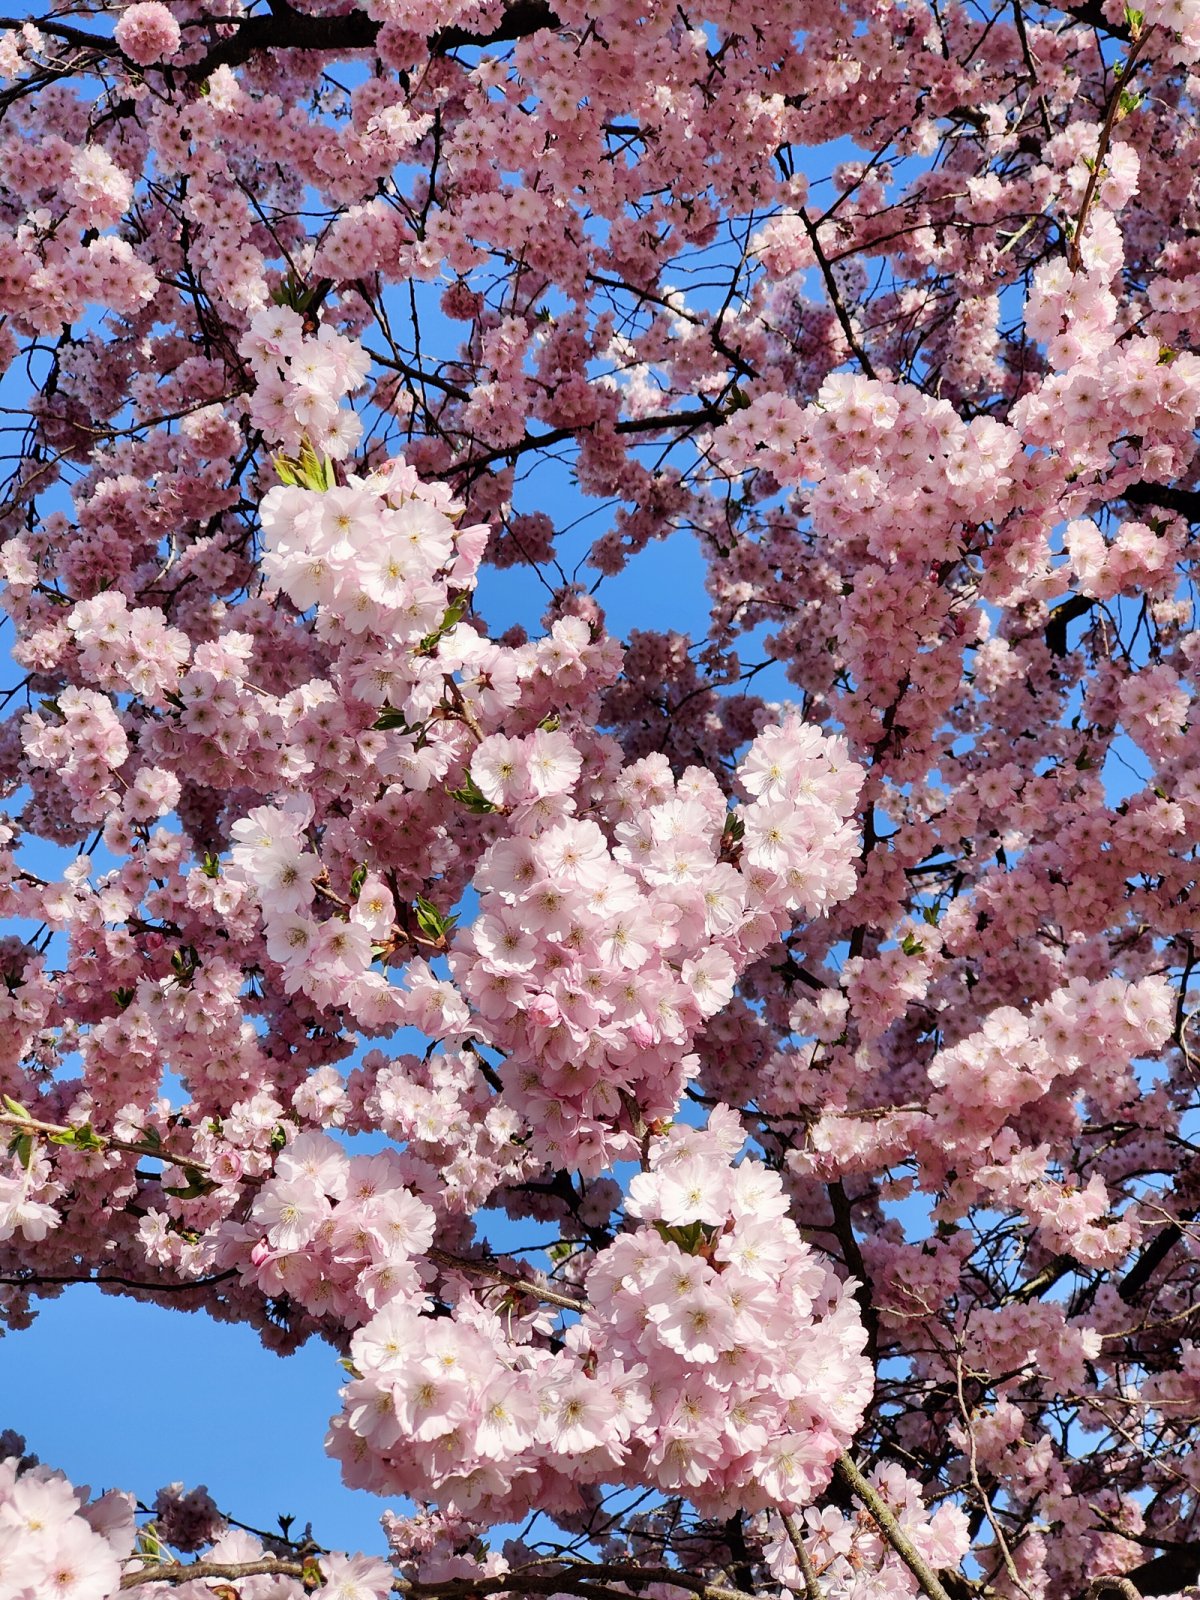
{"x":1056,"y":628}
{"x":835,"y":296}
{"x":1168,"y":1573}
{"x":34,"y":1280}
{"x":1152,"y":1257}
{"x":843,"y":1227}
{"x":285,"y":29}
{"x":1185,"y":501}
{"x":579,"y":1578}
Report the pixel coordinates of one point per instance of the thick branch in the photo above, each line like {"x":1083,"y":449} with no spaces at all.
{"x":177,"y":1573}
{"x":843,"y":1227}
{"x":1168,"y":1573}
{"x":1152,"y":1257}
{"x":590,"y":1582}
{"x":1185,"y":501}
{"x":285,"y":29}
{"x":1056,"y":627}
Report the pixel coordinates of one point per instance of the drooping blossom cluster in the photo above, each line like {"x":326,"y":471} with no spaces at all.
{"x":715,"y":1356}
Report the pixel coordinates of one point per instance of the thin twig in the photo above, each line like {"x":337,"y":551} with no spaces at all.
{"x":834,"y":293}
{"x":812,"y":1587}
{"x":509,"y":1280}
{"x":1006,"y":1557}
{"x":1110,"y":122}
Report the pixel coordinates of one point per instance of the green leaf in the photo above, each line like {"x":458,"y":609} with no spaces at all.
{"x":148,"y":1544}
{"x":22,"y":1148}
{"x":689,"y":1238}
{"x":731,"y":837}
{"x":123,"y":997}
{"x":357,"y":878}
{"x":315,"y":472}
{"x":389,"y":717}
{"x":455,"y":612}
{"x":430,"y":920}
{"x":473,"y":797}
{"x":16,"y":1108}
{"x":196,"y":1186}
{"x":911,"y":945}
{"x":278,"y":1139}
{"x":185,"y":963}
{"x":211,"y":865}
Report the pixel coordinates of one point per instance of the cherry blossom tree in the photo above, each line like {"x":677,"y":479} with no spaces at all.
{"x":729,"y":1103}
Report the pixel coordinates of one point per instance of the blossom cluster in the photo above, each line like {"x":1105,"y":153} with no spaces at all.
{"x":301,"y":381}
{"x":716,"y":1355}
{"x":341,"y":1234}
{"x":55,"y":1542}
{"x":595,"y":959}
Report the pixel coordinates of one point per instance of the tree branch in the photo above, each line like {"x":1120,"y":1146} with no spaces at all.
{"x":1185,"y":501}
{"x":835,"y":296}
{"x":1152,"y":1257}
{"x":580,"y":1578}
{"x":1056,"y":627}
{"x":285,"y":29}
{"x":176,"y":1572}
{"x":892,"y":1531}
{"x":812,"y":1587}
